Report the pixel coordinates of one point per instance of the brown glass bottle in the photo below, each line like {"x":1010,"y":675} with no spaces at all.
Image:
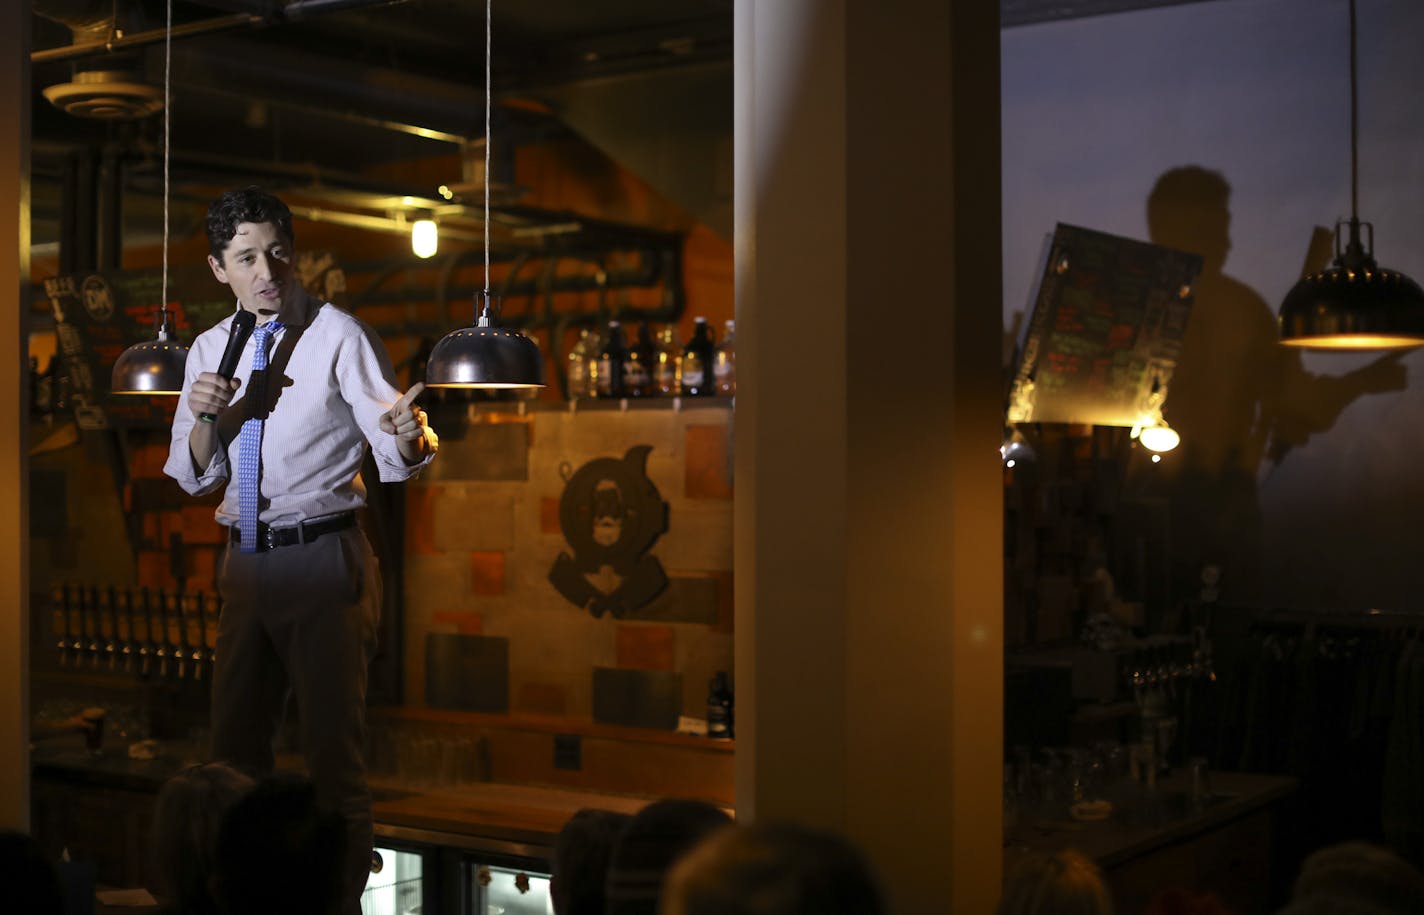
{"x":639,"y":364}
{"x":697,"y":380}
{"x":611,"y":359}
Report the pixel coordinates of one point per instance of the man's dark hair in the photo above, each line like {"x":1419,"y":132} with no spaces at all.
{"x":186,"y":819}
{"x":280,"y":853}
{"x":773,"y":869}
{"x":654,"y":839}
{"x":248,"y":204}
{"x":582,"y":851}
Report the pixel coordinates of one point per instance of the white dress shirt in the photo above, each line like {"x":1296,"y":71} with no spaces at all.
{"x":335,"y":386}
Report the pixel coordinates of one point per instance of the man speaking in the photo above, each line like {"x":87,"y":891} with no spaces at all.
{"x":284,"y":427}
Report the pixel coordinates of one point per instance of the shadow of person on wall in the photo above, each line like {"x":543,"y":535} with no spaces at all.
{"x":1240,"y":400}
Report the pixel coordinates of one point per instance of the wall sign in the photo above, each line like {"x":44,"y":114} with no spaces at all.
{"x":611,"y":514}
{"x":1106,"y":329}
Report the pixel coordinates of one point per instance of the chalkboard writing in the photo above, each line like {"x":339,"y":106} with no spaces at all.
{"x":1105,"y":332}
{"x":99,"y":315}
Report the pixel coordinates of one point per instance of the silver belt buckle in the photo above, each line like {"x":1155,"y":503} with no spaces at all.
{"x":269,"y":538}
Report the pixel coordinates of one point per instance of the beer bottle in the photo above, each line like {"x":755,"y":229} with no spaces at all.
{"x":609,"y":377}
{"x":697,"y":380}
{"x":639,"y":363}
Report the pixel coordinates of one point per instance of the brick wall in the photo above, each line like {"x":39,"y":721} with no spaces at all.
{"x":484,"y":626}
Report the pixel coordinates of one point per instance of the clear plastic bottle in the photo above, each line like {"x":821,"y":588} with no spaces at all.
{"x":724,"y":363}
{"x":579,"y":365}
{"x":609,"y":376}
{"x":667,"y":363}
{"x":697,"y":378}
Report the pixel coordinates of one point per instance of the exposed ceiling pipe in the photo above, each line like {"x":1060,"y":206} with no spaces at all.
{"x":142,"y":39}
{"x":294,"y":11}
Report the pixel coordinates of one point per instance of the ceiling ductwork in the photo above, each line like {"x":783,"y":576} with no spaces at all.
{"x":110,"y":95}
{"x":112,"y":89}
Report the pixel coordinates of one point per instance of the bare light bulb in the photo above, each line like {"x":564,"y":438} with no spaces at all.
{"x":424,"y":238}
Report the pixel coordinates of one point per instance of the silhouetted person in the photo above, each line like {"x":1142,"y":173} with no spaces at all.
{"x":1356,"y":878}
{"x":772,"y":869}
{"x":190,"y":809}
{"x":1239,"y":398}
{"x":654,"y":839}
{"x":281,"y":853}
{"x":1063,"y":882}
{"x":579,"y":865}
{"x":31,"y":883}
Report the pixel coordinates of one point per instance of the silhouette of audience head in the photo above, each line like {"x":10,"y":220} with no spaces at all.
{"x":186,"y":818}
{"x":31,"y":882}
{"x":1188,"y":209}
{"x":579,"y":864}
{"x":772,"y":869}
{"x":648,"y":847}
{"x":280,"y":853}
{"x":1356,"y":878}
{"x":1055,"y":883}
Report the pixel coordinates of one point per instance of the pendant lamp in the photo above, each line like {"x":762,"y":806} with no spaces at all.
{"x":155,"y":367}
{"x":1354,"y":304}
{"x":485,"y":355}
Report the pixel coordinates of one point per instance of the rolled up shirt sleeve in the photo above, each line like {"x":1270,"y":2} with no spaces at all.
{"x":195,"y":481}
{"x":367,"y":382}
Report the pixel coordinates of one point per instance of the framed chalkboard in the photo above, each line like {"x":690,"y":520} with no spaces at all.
{"x":99,"y":315}
{"x":1105,"y":331}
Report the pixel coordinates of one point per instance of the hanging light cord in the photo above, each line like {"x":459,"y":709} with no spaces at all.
{"x":488,"y":5}
{"x":1354,"y":125}
{"x":167,"y":122}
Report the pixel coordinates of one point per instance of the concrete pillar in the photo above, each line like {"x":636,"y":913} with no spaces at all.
{"x":869,"y":413}
{"x":14,"y":416}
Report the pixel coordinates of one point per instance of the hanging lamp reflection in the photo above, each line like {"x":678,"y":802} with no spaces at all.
{"x":1353,"y":304}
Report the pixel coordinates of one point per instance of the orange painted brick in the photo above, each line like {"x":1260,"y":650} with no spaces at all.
{"x":202,"y":568}
{"x":147,"y":461}
{"x":645,"y":647}
{"x":153,"y":570}
{"x":549,"y":516}
{"x":487,"y":574}
{"x":420,"y":519}
{"x":464,"y":622}
{"x":708,"y":471}
{"x":199,"y":525}
{"x":543,"y":699}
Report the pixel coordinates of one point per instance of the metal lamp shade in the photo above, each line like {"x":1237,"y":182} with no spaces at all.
{"x":485,"y":357}
{"x":1354,"y":307}
{"x":153,"y":367}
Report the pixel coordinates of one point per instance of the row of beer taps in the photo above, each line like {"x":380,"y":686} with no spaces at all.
{"x":144,"y":632}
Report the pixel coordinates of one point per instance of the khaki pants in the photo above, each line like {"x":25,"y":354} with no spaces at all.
{"x":302,"y":619}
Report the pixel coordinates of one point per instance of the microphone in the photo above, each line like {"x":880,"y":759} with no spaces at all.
{"x":242,"y":324}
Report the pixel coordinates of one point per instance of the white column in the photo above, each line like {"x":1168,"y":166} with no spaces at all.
{"x":869,"y":410}
{"x":14,"y":416}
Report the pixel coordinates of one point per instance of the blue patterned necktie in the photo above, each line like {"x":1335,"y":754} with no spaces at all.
{"x":249,"y":455}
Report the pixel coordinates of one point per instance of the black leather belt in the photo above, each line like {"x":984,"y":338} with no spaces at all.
{"x":269,"y":538}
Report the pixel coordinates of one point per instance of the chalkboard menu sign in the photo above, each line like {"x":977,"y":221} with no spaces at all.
{"x":99,"y":315}
{"x":1106,"y":330}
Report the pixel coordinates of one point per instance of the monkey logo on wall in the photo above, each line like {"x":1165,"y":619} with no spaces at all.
{"x":611,"y":514}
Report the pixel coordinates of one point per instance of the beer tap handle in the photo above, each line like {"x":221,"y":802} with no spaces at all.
{"x":146,"y":647}
{"x":111,"y":645}
{"x":75,"y":603}
{"x":180,"y":648}
{"x":59,"y":618}
{"x":161,"y":644}
{"x":94,"y":647}
{"x":128,"y":647}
